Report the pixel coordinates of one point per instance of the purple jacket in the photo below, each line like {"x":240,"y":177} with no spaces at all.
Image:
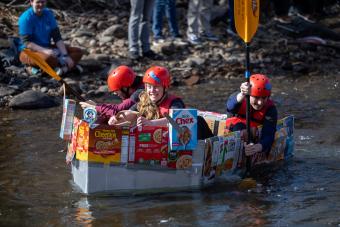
{"x":106,"y":111}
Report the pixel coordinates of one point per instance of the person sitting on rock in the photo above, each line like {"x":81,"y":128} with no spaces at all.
{"x":262,"y":112}
{"x":124,"y":83}
{"x":37,"y":26}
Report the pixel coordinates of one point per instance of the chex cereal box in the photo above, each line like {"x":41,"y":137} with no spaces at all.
{"x":148,"y":145}
{"x":69,"y":109}
{"x":186,"y":139}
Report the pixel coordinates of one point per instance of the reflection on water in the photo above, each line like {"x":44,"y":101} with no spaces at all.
{"x":36,"y":185}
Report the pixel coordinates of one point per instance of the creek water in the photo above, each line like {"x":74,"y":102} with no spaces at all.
{"x":36,"y":186}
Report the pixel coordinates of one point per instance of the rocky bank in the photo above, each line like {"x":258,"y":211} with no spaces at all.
{"x":100,"y":29}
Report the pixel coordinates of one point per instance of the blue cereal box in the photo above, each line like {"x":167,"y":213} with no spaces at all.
{"x":186,"y":139}
{"x":69,"y":109}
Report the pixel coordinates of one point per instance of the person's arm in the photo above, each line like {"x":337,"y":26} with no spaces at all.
{"x":232,"y":104}
{"x":109,"y":110}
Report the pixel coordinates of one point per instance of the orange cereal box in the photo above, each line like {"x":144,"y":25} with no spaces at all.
{"x":104,"y":143}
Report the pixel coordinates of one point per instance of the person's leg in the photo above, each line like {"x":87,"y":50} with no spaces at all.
{"x":157,"y":22}
{"x":281,"y":7}
{"x":145,"y":23}
{"x":205,"y":16}
{"x":172,"y":17}
{"x":193,"y":12}
{"x":231,"y":16}
{"x":75,"y":53}
{"x":26,"y":60}
{"x":134,"y":21}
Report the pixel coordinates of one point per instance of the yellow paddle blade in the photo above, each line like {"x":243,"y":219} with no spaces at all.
{"x":247,"y":13}
{"x":42,"y":64}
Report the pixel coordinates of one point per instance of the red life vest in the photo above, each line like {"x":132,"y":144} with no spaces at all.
{"x":256,"y":116}
{"x":165,"y":105}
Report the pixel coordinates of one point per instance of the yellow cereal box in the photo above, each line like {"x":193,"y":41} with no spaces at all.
{"x":104,"y":143}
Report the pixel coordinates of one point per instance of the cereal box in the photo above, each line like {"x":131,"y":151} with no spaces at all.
{"x":180,"y":159}
{"x":215,"y":121}
{"x":148,"y":145}
{"x":186,"y":139}
{"x":69,"y":109}
{"x":104,"y":143}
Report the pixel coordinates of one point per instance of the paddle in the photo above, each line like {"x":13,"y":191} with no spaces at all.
{"x":47,"y":69}
{"x":246,"y":13}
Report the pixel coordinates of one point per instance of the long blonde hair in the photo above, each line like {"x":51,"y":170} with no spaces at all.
{"x":146,"y":107}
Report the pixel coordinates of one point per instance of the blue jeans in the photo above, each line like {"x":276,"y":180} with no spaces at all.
{"x":139,"y":21}
{"x":231,"y":15}
{"x":167,"y":7}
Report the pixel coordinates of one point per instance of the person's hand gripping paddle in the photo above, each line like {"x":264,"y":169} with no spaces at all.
{"x":246,"y":13}
{"x":47,"y":69}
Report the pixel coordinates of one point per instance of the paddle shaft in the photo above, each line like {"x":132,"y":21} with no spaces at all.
{"x":249,"y":136}
{"x":74,"y":92}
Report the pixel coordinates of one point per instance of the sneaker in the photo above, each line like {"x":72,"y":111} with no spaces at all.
{"x":32,"y":71}
{"x":158,"y":41}
{"x":61,"y":71}
{"x":133,"y":55}
{"x":209,"y":36}
{"x":79,"y":69}
{"x":283,"y":19}
{"x":151,"y":55}
{"x":194,"y":39}
{"x":179,"y":41}
{"x":306,"y":18}
{"x":231,"y":32}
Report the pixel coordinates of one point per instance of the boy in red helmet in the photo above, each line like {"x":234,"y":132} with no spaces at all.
{"x":124,"y":83}
{"x":262,"y":112}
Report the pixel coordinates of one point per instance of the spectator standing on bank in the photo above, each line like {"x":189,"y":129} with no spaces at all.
{"x":168,"y":8}
{"x":139,"y":29}
{"x":199,"y":14}
{"x":231,"y":30}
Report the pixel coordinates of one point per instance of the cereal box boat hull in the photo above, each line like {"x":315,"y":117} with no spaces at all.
{"x":215,"y":158}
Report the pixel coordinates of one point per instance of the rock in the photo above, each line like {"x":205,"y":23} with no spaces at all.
{"x":4,"y":91}
{"x":194,"y":79}
{"x":32,"y":100}
{"x":195,"y":61}
{"x":81,"y":33}
{"x":117,"y":31}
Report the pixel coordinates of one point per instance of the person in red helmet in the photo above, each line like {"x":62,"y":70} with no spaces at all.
{"x":262,"y":112}
{"x":124,"y":83}
{"x":155,"y":100}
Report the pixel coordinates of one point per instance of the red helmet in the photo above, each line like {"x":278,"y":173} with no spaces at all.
{"x":260,"y":85}
{"x":122,"y":76}
{"x":157,"y":75}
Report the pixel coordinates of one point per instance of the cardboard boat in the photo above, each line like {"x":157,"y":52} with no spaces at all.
{"x":214,"y":158}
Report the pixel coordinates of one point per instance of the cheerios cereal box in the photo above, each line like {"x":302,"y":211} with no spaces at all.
{"x":104,"y":143}
{"x":186,"y":139}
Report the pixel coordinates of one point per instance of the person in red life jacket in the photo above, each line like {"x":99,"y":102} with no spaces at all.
{"x":262,"y":112}
{"x":155,"y":101}
{"x":124,"y":83}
